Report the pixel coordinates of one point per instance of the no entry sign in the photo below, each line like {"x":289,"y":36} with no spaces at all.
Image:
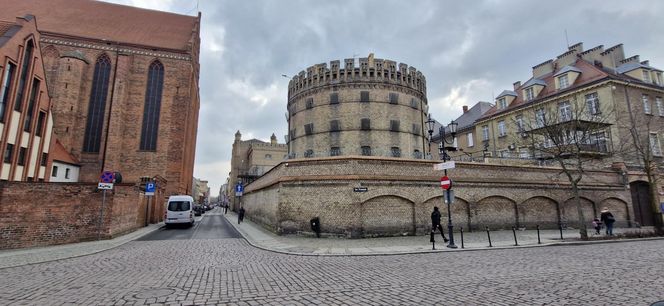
{"x":445,"y":182}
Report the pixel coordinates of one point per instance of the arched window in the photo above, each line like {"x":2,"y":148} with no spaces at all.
{"x":97,"y":106}
{"x":23,"y":81}
{"x":152,"y":107}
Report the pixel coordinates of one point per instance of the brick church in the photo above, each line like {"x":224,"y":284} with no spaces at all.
{"x":124,"y":86}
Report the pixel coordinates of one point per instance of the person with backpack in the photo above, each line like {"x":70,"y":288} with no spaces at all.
{"x":608,"y":219}
{"x":435,"y":224}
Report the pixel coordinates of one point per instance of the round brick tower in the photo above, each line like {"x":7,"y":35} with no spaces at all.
{"x":374,"y":109}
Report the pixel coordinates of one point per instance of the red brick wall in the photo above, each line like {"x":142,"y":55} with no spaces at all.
{"x":40,"y":214}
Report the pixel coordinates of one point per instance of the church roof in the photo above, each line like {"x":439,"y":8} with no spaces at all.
{"x":105,"y":21}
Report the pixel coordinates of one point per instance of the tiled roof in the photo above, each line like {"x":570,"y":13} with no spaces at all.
{"x":507,"y":93}
{"x":105,"y":21}
{"x":59,"y":153}
{"x":4,"y":27}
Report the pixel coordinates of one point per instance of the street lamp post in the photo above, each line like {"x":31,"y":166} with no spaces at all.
{"x":443,"y":155}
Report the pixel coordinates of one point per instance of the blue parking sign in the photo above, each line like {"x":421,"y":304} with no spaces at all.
{"x":149,"y":187}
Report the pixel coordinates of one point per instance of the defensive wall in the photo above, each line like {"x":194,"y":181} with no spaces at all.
{"x":40,"y":214}
{"x":401,"y":193}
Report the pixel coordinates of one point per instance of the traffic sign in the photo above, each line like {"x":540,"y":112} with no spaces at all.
{"x":107,"y":177}
{"x":444,"y":166}
{"x":445,"y":182}
{"x":149,"y":188}
{"x":449,"y":194}
{"x":105,"y":186}
{"x":239,"y":189}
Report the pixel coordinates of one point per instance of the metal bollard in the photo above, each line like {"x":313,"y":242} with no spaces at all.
{"x":514,"y":233}
{"x":488,"y":235}
{"x":461,"y":231}
{"x":538,"y":235}
{"x":560,"y":227}
{"x":433,"y":240}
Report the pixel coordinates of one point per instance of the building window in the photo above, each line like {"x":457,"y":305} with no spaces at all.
{"x":40,"y":124}
{"x":27,"y":121}
{"x":364,"y":96}
{"x":66,"y":173}
{"x":5,"y":87}
{"x":417,"y":154}
{"x":291,"y":135}
{"x":309,"y":153}
{"x":309,"y":104}
{"x":366,"y":150}
{"x":563,"y":82}
{"x":394,"y":125}
{"x":309,"y":129}
{"x":470,"y":139}
{"x":540,"y":117}
{"x":485,"y":132}
{"x":396,"y":151}
{"x":519,"y":123}
{"x":97,"y":105}
{"x":335,"y":151}
{"x":592,"y":102}
{"x":365,"y":124}
{"x":660,"y":106}
{"x":565,"y":110}
{"x":23,"y":80}
{"x":530,"y":94}
{"x":21,"y":156}
{"x":9,"y":151}
{"x":413,"y":103}
{"x":659,"y":78}
{"x":646,"y":104}
{"x":54,"y":173}
{"x":502,"y":103}
{"x":152,"y":107}
{"x":504,"y":154}
{"x":654,"y":145}
{"x":416,"y":129}
{"x":44,"y":159}
{"x":524,"y":153}
{"x":394,"y":98}
{"x":268,"y":156}
{"x":646,"y":76}
{"x":334,"y":98}
{"x":502,"y":131}
{"x":334,"y":126}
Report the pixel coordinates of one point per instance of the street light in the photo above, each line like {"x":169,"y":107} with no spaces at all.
{"x":443,"y":155}
{"x":430,"y":125}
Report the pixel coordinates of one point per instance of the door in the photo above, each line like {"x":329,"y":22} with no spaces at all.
{"x":641,"y":203}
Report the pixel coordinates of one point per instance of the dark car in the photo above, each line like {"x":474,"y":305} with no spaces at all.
{"x":198,"y":210}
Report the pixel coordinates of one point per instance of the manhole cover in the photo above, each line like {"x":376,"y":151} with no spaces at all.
{"x":154,"y":293}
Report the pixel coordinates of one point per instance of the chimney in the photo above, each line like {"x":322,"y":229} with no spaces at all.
{"x":517,"y":84}
{"x":465,"y":109}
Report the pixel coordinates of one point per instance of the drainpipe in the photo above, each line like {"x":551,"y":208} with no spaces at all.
{"x":110,"y":107}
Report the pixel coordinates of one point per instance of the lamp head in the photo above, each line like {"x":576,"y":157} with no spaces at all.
{"x":453,"y":127}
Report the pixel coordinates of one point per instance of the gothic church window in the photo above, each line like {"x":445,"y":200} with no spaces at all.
{"x":152,"y":107}
{"x":97,"y":105}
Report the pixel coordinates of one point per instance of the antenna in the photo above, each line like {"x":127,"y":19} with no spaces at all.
{"x":566,"y":39}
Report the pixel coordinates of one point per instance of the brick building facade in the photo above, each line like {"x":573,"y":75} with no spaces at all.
{"x":125,"y":86}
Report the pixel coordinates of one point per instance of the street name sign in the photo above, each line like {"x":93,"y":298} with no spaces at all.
{"x":360,"y":189}
{"x":105,"y":186}
{"x":444,"y":166}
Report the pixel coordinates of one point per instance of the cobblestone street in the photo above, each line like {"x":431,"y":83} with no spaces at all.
{"x":229,"y":271}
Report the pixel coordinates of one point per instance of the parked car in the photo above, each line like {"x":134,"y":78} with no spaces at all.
{"x":179,"y":210}
{"x":198,"y":210}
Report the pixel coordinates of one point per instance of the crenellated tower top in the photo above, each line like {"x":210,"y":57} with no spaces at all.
{"x":370,"y":69}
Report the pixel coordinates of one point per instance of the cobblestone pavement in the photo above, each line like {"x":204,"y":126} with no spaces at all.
{"x":229,"y":271}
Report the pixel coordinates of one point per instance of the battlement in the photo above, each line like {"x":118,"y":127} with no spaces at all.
{"x":370,"y":69}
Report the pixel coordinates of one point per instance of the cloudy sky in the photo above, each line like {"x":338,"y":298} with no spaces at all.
{"x":469,"y":51}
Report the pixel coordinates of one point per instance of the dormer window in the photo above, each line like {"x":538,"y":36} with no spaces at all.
{"x":530,"y":93}
{"x":563,"y":81}
{"x":502,"y":103}
{"x":646,"y":76}
{"x":659,"y":78}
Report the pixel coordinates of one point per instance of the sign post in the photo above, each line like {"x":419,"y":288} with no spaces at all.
{"x":149,"y":192}
{"x":105,"y":183}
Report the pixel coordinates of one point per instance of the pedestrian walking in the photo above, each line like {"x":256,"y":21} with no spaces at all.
{"x":240,"y":215}
{"x":597,"y":224}
{"x":225,"y":208}
{"x":608,"y":220}
{"x":435,"y":224}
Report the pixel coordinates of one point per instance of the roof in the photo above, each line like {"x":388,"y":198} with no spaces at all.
{"x":7,"y":31}
{"x":105,"y":21}
{"x":5,"y":26}
{"x":631,"y":66}
{"x":507,"y":93}
{"x":468,"y":118}
{"x":534,"y":81}
{"x":59,"y":153}
{"x":566,"y":69}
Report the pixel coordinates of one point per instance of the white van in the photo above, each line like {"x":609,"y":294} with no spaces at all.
{"x":179,"y":210}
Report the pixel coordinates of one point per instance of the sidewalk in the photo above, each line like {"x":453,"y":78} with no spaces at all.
{"x":300,"y":245}
{"x":19,"y":257}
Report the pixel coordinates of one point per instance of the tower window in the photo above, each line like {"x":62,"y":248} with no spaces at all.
{"x":334,"y":98}
{"x":365,"y":124}
{"x":394,"y":98}
{"x":364,"y":96}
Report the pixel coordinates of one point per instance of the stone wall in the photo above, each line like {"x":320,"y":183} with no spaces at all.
{"x":40,"y":214}
{"x":402,"y":193}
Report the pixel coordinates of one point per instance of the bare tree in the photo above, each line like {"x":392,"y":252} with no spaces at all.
{"x":573,"y":135}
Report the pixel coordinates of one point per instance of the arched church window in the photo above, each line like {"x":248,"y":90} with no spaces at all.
{"x":97,"y":105}
{"x":152,"y":107}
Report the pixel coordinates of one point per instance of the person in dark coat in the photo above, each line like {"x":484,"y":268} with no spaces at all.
{"x":608,"y":220}
{"x":435,"y":223}
{"x":240,"y":215}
